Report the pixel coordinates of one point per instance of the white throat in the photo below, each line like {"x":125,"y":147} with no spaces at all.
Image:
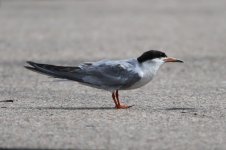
{"x":151,"y":67}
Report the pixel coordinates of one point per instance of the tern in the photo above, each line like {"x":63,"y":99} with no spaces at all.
{"x":110,"y":75}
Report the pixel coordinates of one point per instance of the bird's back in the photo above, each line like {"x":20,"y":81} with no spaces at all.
{"x":105,"y":74}
{"x":109,"y":74}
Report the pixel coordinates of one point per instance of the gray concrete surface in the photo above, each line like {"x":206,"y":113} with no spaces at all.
{"x":184,"y":107}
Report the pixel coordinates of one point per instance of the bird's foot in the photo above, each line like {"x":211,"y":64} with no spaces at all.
{"x":122,"y":106}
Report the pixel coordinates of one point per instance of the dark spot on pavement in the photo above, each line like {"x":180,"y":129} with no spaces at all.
{"x":181,"y":108}
{"x":7,"y":101}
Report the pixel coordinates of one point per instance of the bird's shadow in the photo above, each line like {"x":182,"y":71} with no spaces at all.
{"x":76,"y":108}
{"x":25,"y":148}
{"x":98,"y":108}
{"x":65,"y":108}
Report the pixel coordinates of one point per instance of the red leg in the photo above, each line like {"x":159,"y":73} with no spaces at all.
{"x":117,"y":97}
{"x":120,"y":106}
{"x":114,"y":98}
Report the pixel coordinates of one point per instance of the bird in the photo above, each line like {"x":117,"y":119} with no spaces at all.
{"x":110,"y":75}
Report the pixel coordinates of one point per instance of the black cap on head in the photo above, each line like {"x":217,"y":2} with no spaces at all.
{"x":152,"y":54}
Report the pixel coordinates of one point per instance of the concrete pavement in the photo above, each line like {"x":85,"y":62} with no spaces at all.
{"x":184,"y":107}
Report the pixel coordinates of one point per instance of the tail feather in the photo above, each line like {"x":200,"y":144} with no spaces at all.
{"x":63,"y":72}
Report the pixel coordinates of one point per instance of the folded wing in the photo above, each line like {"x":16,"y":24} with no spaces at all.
{"x":103,"y":74}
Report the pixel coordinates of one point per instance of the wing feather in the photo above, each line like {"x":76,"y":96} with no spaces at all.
{"x":104,"y":74}
{"x":110,"y":74}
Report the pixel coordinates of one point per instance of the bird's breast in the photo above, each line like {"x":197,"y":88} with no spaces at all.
{"x":145,"y":78}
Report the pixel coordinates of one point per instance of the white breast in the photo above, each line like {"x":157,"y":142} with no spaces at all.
{"x":147,"y":71}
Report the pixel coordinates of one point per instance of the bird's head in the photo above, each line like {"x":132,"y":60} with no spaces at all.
{"x":158,"y":57}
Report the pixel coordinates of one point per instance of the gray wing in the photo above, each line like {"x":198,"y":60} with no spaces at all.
{"x":108,"y":74}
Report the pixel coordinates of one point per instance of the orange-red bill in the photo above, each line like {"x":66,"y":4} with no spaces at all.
{"x":170,"y":59}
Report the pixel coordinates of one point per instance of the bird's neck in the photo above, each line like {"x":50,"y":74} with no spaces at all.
{"x":150,"y":68}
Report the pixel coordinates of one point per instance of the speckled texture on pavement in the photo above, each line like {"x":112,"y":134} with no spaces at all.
{"x":184,"y":106}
